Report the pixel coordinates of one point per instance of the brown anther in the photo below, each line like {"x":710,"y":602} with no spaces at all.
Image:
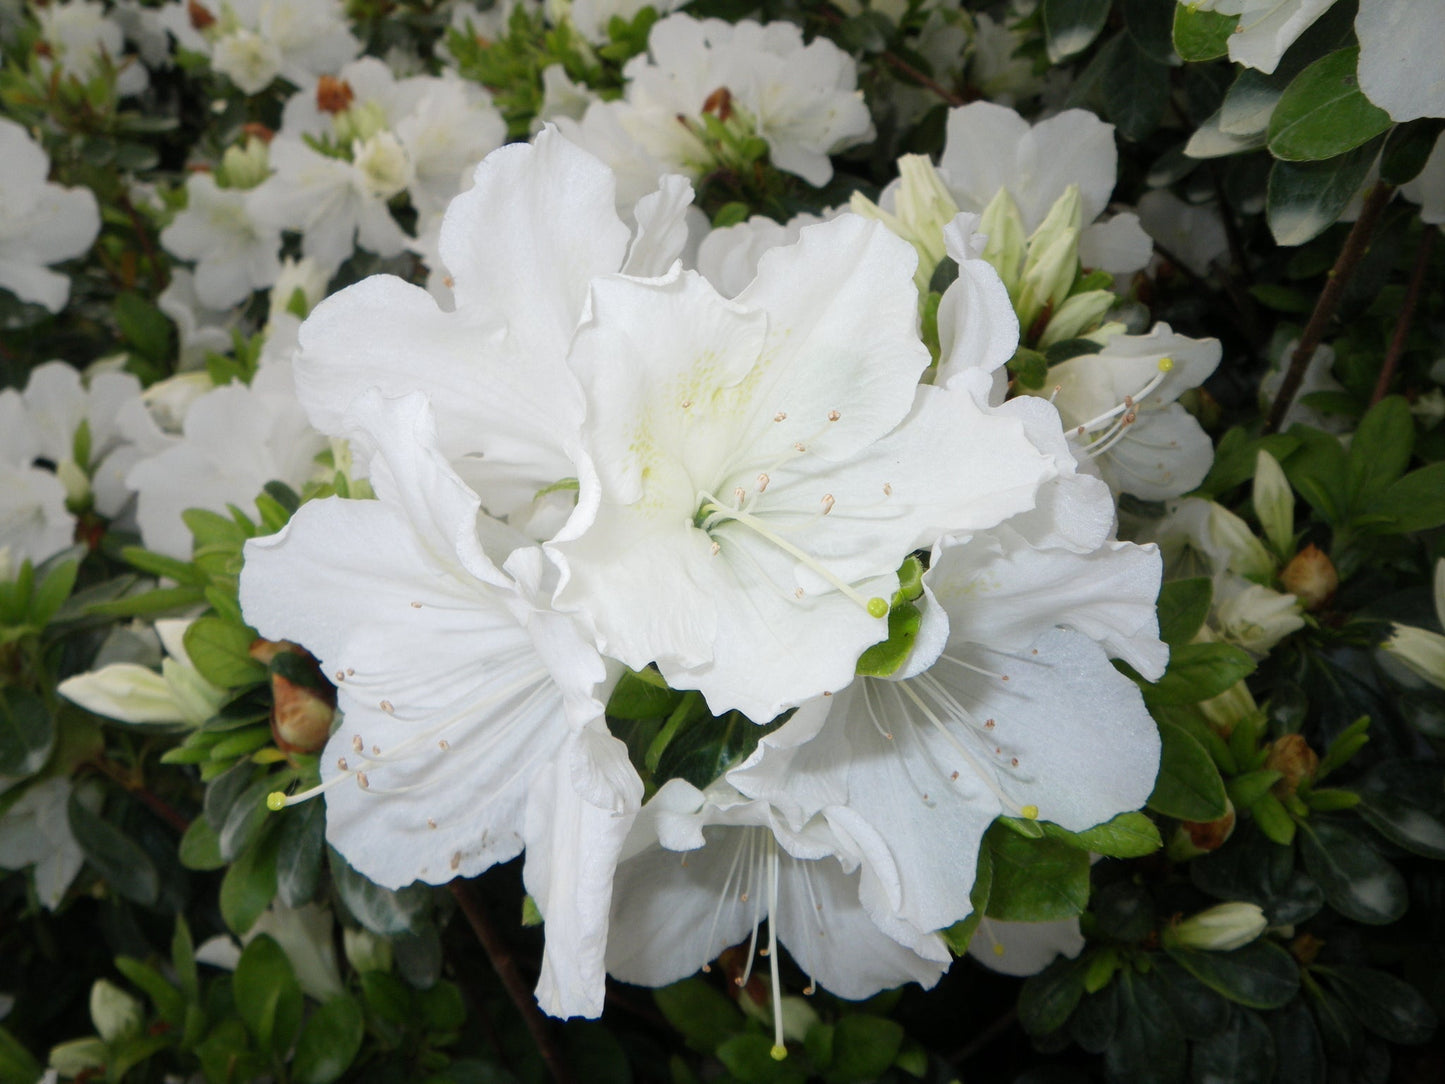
{"x":780,"y":417}
{"x":200,"y":15}
{"x":341,"y":675}
{"x":376,"y":750}
{"x":827,"y":503}
{"x":798,"y":593}
{"x":720,"y":102}
{"x":716,"y":548}
{"x":444,"y":745}
{"x":1014,"y":761}
{"x":739,"y":494}
{"x":833,"y":415}
{"x":456,"y":859}
{"x":333,"y":95}
{"x":416,"y":605}
{"x":430,"y":823}
{"x":350,"y":672}
{"x":686,"y":403}
{"x":887,"y":489}
{"x":763,"y":481}
{"x":361,"y":780}
{"x":954,"y":776}
{"x":989,"y":724}
{"x":388,"y":707}
{"x":341,"y":764}
{"x":357,"y":744}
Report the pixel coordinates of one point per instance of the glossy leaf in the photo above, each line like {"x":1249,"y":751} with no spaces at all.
{"x":1189,"y":785}
{"x":1201,"y":35}
{"x":329,"y":1042}
{"x":1261,"y":975}
{"x":1357,"y":882}
{"x":1070,"y":26}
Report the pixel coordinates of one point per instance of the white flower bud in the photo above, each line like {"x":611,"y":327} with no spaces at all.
{"x":1274,"y":503}
{"x":383,"y":164}
{"x":1004,"y":227}
{"x":76,"y":483}
{"x":1257,"y":618}
{"x":360,"y":122}
{"x":115,"y":1014}
{"x":75,"y":1057}
{"x":1076,"y":315}
{"x":305,"y":275}
{"x":245,"y":166}
{"x":1222,"y":928}
{"x":1247,"y":554}
{"x":1420,"y":651}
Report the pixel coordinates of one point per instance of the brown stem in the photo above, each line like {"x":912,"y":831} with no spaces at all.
{"x":131,"y":781}
{"x":1407,"y":314}
{"x":506,"y":968}
{"x":898,"y":64}
{"x":1355,"y":247}
{"x":984,"y":1038}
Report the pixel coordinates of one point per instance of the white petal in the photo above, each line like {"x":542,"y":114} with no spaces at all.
{"x":1400,"y":68}
{"x":1024,"y":948}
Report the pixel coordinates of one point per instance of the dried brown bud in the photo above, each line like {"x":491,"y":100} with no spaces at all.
{"x":720,"y":102}
{"x":333,"y":95}
{"x":1294,"y":759}
{"x":1310,"y":577}
{"x":301,"y":716}
{"x":257,"y":130}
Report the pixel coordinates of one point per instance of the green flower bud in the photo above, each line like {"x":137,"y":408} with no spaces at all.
{"x":244,"y":166}
{"x":924,"y":206}
{"x":76,"y":483}
{"x":1274,"y":503}
{"x":1006,"y":246}
{"x":359,"y":123}
{"x":75,"y":1057}
{"x":1420,"y":651}
{"x":365,"y":951}
{"x":1247,"y":554}
{"x":1222,"y":928}
{"x":1076,"y":315}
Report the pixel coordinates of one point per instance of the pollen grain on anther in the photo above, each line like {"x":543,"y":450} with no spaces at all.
{"x":780,"y":417}
{"x":357,"y":744}
{"x":388,"y":707}
{"x":362,"y":782}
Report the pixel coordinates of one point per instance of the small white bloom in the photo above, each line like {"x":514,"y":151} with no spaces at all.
{"x":247,"y":59}
{"x":235,"y":254}
{"x":137,"y":694}
{"x":36,"y":831}
{"x":79,"y":33}
{"x":1256,"y":618}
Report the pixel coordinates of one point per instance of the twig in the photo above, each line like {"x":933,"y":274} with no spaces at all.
{"x":898,"y":64}
{"x":1355,"y":247}
{"x":506,"y":968}
{"x":1407,"y":314}
{"x":984,"y":1038}
{"x":136,"y":786}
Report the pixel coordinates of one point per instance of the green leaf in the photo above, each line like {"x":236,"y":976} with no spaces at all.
{"x":1129,"y":835}
{"x":1201,"y":35}
{"x":54,"y":589}
{"x":1241,"y":1053}
{"x":329,"y":1042}
{"x":749,"y":1058}
{"x":183,"y":959}
{"x":267,"y":996}
{"x":1392,"y":1009}
{"x":220,"y":652}
{"x":1197,"y":672}
{"x":1408,"y":148}
{"x":1357,"y":882}
{"x":249,"y":885}
{"x":1299,"y":1052}
{"x":27,"y":733}
{"x":863,"y":1049}
{"x":1306,"y":198}
{"x":638,"y":697}
{"x":1323,"y":114}
{"x":1070,"y":26}
{"x":16,"y":1064}
{"x":1147,"y":1043}
{"x":1123,"y":911}
{"x":380,"y":910}
{"x":1135,"y":89}
{"x":201,"y":847}
{"x":1035,"y":880}
{"x":1183,"y":606}
{"x":1416,"y":502}
{"x":1151,"y":24}
{"x":169,"y":1001}
{"x":1380,"y":449}
{"x":1189,"y":786}
{"x":143,"y":327}
{"x":1405,"y":802}
{"x":1198,"y":1010}
{"x":124,"y":864}
{"x":159,"y":565}
{"x":1048,"y":999}
{"x":299,"y":847}
{"x":1260,"y":975}
{"x":704,"y":1017}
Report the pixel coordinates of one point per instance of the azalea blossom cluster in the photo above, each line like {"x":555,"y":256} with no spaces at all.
{"x":597,"y":461}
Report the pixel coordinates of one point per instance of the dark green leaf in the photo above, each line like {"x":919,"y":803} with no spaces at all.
{"x":1197,"y":672}
{"x":1070,"y":26}
{"x":1123,"y":911}
{"x":1189,"y":786}
{"x":300,"y":843}
{"x":220,"y":650}
{"x":1129,"y":835}
{"x":1357,"y":882}
{"x":1305,"y":198}
{"x":143,"y":327}
{"x":749,"y":1058}
{"x":183,"y":959}
{"x":246,"y":815}
{"x":249,"y":885}
{"x":1242,"y":1053}
{"x":1048,"y":999}
{"x":380,"y":910}
{"x":637,"y":697}
{"x":1408,"y":148}
{"x":1147,"y":1044}
{"x":1035,"y":880}
{"x":1151,"y":24}
{"x":50,"y":595}
{"x":1389,"y":1007}
{"x":27,"y":733}
{"x":1416,"y":502}
{"x":1198,"y":1010}
{"x":863,"y":1049}
{"x":169,"y":1001}
{"x":1135,"y":89}
{"x":124,"y":864}
{"x":16,"y":1064}
{"x":267,"y":996}
{"x":1405,"y":802}
{"x":1298,"y":1049}
{"x":1261,"y":975}
{"x":329,"y":1042}
{"x":1201,"y":35}
{"x":200,"y":846}
{"x":1323,"y":114}
{"x":704,"y":1016}
{"x":1380,"y":449}
{"x":1183,"y":606}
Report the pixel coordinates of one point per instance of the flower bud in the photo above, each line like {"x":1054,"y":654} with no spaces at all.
{"x":359,"y":123}
{"x":77,"y":1056}
{"x":1247,"y":554}
{"x":1222,"y":928}
{"x":244,"y":166}
{"x":301,"y":286}
{"x":923,"y":206}
{"x":76,"y":483}
{"x":303,"y":702}
{"x":1310,"y":577}
{"x":1274,"y":502}
{"x":1257,"y":618}
{"x":1420,"y":651}
{"x":115,"y":1014}
{"x":1049,"y":271}
{"x":1194,"y":838}
{"x":365,"y":951}
{"x":1292,"y":757}
{"x":1231,"y":707}
{"x":1004,"y":227}
{"x":1076,"y":315}
{"x":384,"y":165}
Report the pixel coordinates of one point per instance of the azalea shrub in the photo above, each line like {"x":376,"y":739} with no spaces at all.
{"x":714,"y":541}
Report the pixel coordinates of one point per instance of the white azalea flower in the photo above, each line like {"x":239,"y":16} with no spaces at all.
{"x":137,"y":694}
{"x":254,"y":41}
{"x":1024,"y":948}
{"x":1255,"y":617}
{"x":233,"y":441}
{"x":728,"y":258}
{"x":1400,"y":67}
{"x":303,"y":933}
{"x":1266,"y":27}
{"x":1118,"y":408}
{"x":591,"y":17}
{"x":520,"y":248}
{"x":40,"y":223}
{"x":79,"y":33}
{"x":743,"y":863}
{"x":247,"y":59}
{"x":990,"y":149}
{"x":35,"y":831}
{"x":1428,"y":189}
{"x":1422,"y":651}
{"x":760,"y":468}
{"x":235,"y":254}
{"x":472,"y":713}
